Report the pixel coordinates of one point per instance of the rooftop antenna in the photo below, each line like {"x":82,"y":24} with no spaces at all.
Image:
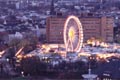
{"x":89,"y":69}
{"x":89,"y":76}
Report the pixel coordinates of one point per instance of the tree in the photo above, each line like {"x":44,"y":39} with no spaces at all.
{"x":13,"y":46}
{"x":33,"y":65}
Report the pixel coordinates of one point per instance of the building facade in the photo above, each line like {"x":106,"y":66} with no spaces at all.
{"x":97,"y":27}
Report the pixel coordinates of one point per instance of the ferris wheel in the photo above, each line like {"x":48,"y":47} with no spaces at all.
{"x":73,"y":34}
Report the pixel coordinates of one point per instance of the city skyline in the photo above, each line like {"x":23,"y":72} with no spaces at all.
{"x":60,"y":39}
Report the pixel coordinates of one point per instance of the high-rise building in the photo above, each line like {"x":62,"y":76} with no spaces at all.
{"x":98,"y":27}
{"x":54,"y":29}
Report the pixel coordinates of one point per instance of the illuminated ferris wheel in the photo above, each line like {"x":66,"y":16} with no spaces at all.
{"x":73,"y":34}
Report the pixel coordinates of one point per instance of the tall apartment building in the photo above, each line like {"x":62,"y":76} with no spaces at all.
{"x":98,"y":27}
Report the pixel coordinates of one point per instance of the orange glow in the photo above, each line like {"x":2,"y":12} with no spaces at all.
{"x":19,"y":56}
{"x":104,"y":56}
{"x":43,"y":46}
{"x":2,"y":52}
{"x":84,"y":54}
{"x":19,"y":51}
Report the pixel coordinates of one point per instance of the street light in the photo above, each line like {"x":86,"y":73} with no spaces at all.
{"x":7,"y":60}
{"x":22,"y":73}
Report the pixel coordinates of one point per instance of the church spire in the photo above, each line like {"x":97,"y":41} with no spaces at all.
{"x":52,"y":12}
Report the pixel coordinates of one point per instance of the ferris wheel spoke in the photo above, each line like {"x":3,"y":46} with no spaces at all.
{"x":74,"y":46}
{"x":77,"y":35}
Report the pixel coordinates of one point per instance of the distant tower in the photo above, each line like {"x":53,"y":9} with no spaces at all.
{"x":101,"y":4}
{"x":89,"y":76}
{"x":52,"y":12}
{"x":37,"y":31}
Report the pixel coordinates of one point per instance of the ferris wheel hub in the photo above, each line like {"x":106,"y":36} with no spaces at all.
{"x":71,"y":33}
